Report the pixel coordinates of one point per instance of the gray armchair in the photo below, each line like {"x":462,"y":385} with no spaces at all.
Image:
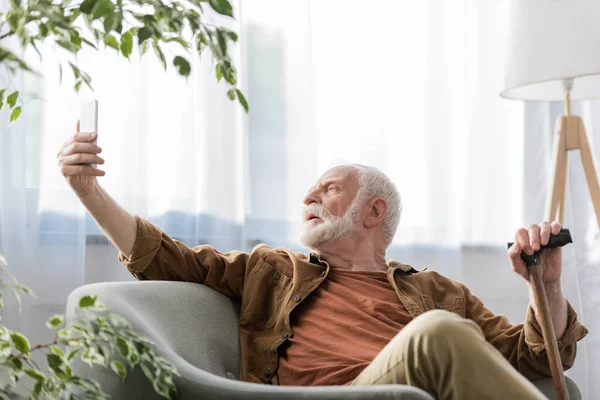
{"x":196,"y":329}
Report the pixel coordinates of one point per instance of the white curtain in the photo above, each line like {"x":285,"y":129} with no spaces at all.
{"x":411,"y":88}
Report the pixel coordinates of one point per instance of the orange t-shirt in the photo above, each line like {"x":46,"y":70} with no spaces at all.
{"x":338,"y":332}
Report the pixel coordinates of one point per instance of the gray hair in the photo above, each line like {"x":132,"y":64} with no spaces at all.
{"x":374,"y":183}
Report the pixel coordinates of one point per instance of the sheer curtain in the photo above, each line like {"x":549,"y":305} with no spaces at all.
{"x":411,"y":88}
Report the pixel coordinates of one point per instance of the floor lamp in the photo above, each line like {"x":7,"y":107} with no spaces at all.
{"x":553,"y":55}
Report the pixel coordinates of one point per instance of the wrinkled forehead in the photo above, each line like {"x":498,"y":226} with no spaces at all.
{"x":344,"y":175}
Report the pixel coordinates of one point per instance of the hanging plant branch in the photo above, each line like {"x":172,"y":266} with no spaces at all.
{"x":122,"y":25}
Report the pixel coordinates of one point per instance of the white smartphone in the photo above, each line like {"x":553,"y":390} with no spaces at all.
{"x":88,"y":119}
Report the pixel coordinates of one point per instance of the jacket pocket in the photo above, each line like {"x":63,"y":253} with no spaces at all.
{"x":263,"y":295}
{"x":453,"y":304}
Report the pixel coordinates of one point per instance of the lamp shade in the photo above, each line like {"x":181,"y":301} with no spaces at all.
{"x":549,"y":41}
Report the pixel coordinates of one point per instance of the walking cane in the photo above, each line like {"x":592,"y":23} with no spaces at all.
{"x":543,"y":310}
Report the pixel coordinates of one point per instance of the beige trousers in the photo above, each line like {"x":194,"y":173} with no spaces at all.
{"x":447,"y":356}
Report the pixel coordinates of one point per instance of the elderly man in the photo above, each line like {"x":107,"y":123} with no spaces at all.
{"x":344,"y":315}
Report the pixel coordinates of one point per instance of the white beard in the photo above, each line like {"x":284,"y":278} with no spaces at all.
{"x":330,"y":227}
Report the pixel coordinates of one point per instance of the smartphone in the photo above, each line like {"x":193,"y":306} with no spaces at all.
{"x":88,"y":119}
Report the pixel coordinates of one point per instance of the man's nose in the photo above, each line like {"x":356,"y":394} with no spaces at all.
{"x":310,"y":198}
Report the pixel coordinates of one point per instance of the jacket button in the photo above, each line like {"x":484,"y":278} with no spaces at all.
{"x":296,"y":298}
{"x":438,"y":306}
{"x":276,"y":275}
{"x":322,"y":273}
{"x":285,"y":336}
{"x":267,"y":372}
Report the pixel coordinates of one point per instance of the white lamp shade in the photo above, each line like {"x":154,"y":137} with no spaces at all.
{"x":552,"y":40}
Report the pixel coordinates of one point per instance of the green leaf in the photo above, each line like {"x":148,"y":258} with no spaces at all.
{"x":147,"y":372}
{"x":231,"y":74}
{"x":222,"y":41}
{"x":87,"y":6}
{"x":179,"y":40}
{"x":5,"y":348}
{"x":144,"y":47}
{"x":119,"y":22}
{"x":126,"y":44}
{"x":144,"y":33}
{"x":111,"y":41}
{"x":165,"y":365}
{"x":123,"y":347}
{"x":109,"y":22}
{"x":13,"y":290}
{"x":89,"y":43}
{"x":24,"y":289}
{"x":63,"y":333}
{"x":88,"y":301}
{"x":20,"y":342}
{"x":222,"y":7}
{"x":44,"y":31}
{"x":242,"y":99}
{"x":101,"y":8}
{"x":118,"y":367}
{"x":11,"y":100}
{"x":54,"y":362}
{"x":92,"y":356}
{"x":16,"y":364}
{"x":75,"y":39}
{"x":67,"y":46}
{"x":35,"y":374}
{"x":4,"y":334}
{"x":201,"y":42}
{"x":133,"y":359}
{"x":160,"y":55}
{"x":55,"y":321}
{"x":231,"y":94}
{"x":37,"y":389}
{"x":194,"y":20}
{"x":81,"y":329}
{"x":73,"y":353}
{"x":219,"y":72}
{"x":232,"y":35}
{"x":182,"y":65}
{"x":2,"y":259}
{"x":57,"y":350}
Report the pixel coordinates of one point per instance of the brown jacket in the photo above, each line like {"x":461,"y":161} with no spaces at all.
{"x":271,"y":282}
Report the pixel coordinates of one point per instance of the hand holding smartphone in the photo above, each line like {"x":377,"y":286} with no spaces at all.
{"x":89,"y":119}
{"x":79,"y":155}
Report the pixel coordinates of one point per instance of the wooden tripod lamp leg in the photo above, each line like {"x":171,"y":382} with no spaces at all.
{"x":556,"y":190}
{"x":554,"y":212}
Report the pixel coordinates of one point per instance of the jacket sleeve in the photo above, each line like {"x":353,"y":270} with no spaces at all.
{"x":522,"y":344}
{"x":155,"y":256}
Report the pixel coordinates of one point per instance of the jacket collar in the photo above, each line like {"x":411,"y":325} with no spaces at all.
{"x":392,"y":264}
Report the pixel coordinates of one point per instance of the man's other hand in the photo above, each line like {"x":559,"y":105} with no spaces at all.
{"x":530,"y":240}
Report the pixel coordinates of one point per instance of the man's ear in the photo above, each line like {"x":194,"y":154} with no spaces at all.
{"x":376,"y":212}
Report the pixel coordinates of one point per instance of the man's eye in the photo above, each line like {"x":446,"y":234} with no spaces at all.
{"x":331,"y":188}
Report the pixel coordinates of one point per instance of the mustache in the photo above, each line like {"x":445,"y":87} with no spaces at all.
{"x":317,"y":209}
